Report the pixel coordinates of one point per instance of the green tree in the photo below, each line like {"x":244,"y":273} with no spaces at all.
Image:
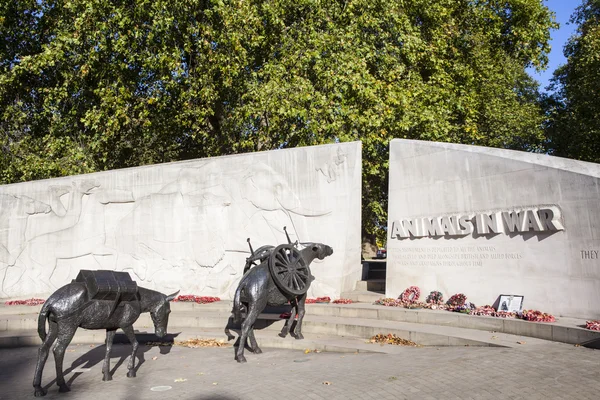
{"x":573,"y":126}
{"x":92,"y":85}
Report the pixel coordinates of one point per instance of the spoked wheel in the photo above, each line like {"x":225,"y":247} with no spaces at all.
{"x":289,"y":270}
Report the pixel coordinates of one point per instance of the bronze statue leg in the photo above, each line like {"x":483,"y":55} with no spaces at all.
{"x":254,"y":309}
{"x":42,"y":357}
{"x":288,"y":323}
{"x":65,"y":335}
{"x":134,"y":343}
{"x":301,"y":310}
{"x":229,"y":335}
{"x":110,"y":335}
{"x":253,"y":344}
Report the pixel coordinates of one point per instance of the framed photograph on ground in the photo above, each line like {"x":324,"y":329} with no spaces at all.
{"x":510,"y":303}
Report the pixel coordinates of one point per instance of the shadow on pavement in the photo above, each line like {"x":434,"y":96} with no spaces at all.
{"x":591,"y":344}
{"x":13,"y":364}
{"x":96,"y":355}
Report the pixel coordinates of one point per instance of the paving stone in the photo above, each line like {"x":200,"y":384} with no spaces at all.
{"x":546,"y":371}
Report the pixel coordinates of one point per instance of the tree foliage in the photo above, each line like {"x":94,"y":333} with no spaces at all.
{"x":573,"y":127}
{"x":91,"y":85}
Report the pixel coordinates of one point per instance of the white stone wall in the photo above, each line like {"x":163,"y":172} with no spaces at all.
{"x":184,"y":225}
{"x":557,"y":270}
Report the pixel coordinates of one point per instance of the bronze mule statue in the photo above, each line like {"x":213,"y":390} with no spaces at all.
{"x":282,"y":276}
{"x":73,"y":306}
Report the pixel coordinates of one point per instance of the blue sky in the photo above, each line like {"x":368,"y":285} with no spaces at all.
{"x":563,"y":10}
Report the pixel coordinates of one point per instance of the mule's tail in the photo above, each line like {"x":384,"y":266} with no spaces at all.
{"x":237,"y":305}
{"x":42,"y":321}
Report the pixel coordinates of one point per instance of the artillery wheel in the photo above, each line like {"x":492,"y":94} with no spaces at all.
{"x":289,"y":270}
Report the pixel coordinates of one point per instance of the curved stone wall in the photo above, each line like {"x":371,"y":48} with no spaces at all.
{"x":184,"y":225}
{"x":487,"y":222}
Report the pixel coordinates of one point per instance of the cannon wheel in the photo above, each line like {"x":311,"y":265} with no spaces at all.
{"x":289,"y":270}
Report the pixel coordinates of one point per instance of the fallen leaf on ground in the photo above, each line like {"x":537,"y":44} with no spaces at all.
{"x":70,"y":351}
{"x":494,"y":337}
{"x":154,"y":358}
{"x":326,"y":383}
{"x":306,"y":351}
{"x":180,"y":380}
{"x":520,"y":342}
{"x":196,"y":343}
{"x":390,"y":338}
{"x":215,"y":383}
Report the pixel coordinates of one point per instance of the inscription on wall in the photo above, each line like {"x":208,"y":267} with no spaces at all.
{"x":589,"y":254}
{"x":453,"y":256}
{"x":537,"y":219}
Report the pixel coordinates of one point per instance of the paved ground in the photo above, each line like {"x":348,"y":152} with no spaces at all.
{"x":546,"y":371}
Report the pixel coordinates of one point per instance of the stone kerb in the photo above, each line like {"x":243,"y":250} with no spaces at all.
{"x":184,"y":225}
{"x":487,"y":222}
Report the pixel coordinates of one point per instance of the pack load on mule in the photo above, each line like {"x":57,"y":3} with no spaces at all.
{"x":108,"y":285}
{"x":282,"y":276}
{"x":96,"y":300}
{"x":114,"y":286}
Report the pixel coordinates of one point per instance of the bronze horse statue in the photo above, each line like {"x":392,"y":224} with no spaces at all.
{"x":282,"y":277}
{"x":72,"y":306}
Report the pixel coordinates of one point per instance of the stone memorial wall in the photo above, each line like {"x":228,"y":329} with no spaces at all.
{"x":184,"y":225}
{"x":487,"y":222}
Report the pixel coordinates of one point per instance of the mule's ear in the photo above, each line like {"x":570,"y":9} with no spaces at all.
{"x":172,"y":296}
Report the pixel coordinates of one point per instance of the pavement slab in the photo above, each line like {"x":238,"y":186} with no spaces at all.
{"x":547,"y":370}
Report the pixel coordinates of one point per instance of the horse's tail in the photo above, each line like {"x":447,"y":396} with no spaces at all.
{"x":237,"y":306}
{"x":42,"y":320}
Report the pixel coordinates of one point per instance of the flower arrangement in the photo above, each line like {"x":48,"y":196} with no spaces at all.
{"x":457,"y":300}
{"x":489,"y":311}
{"x":461,"y":309}
{"x":434,"y":306}
{"x":390,"y":302}
{"x":325,"y":299}
{"x":28,"y":302}
{"x":459,"y":303}
{"x":506,"y":314}
{"x":413,"y":305}
{"x":196,"y":299}
{"x":342,"y":301}
{"x":410,"y":295}
{"x":486,"y":310}
{"x":435,"y":297}
{"x":593,"y":325}
{"x":537,"y":316}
